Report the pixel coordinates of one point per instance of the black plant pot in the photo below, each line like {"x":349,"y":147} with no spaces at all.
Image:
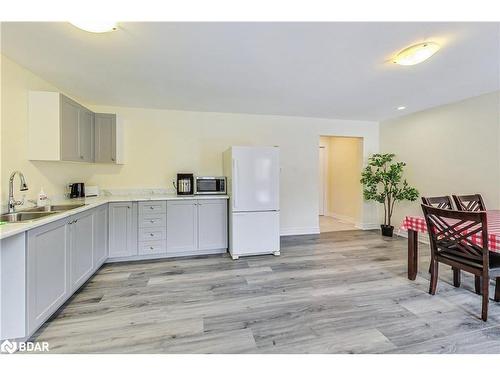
{"x":387,"y":230}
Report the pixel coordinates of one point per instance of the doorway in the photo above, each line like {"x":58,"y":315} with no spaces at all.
{"x":340,"y":192}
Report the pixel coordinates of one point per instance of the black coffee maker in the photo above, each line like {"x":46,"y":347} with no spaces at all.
{"x":185,"y":184}
{"x":77,"y":190}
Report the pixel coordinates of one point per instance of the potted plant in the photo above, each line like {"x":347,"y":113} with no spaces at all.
{"x":383,"y":182}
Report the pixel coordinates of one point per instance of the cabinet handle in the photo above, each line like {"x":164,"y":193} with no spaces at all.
{"x":151,"y":248}
{"x":151,"y":234}
{"x":151,"y":221}
{"x":81,"y":156}
{"x":151,"y":207}
{"x":112,"y":159}
{"x":128,"y":206}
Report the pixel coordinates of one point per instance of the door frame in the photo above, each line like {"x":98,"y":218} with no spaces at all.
{"x":323,"y":162}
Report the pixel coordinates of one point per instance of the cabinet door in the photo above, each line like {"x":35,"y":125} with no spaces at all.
{"x":122,"y":231}
{"x":181,"y":226}
{"x":212,"y":224}
{"x":48,"y":271}
{"x":86,"y":135}
{"x":81,"y":248}
{"x":70,"y":147}
{"x":105,"y":138}
{"x":100,"y":236}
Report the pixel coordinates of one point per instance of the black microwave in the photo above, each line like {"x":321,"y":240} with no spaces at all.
{"x":210,"y":185}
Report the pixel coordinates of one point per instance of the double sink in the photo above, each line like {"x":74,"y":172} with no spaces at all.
{"x":38,"y":212}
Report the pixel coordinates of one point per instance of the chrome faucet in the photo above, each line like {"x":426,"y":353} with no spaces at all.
{"x":12,"y":202}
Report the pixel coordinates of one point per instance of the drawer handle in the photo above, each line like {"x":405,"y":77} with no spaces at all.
{"x":152,"y":221}
{"x":151,"y":234}
{"x":151,"y":248}
{"x":151,"y":207}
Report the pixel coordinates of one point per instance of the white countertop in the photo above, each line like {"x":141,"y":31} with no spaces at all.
{"x":11,"y":229}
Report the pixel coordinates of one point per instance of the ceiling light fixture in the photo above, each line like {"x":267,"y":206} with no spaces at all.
{"x":95,"y":26}
{"x":416,"y":54}
{"x":401,"y":107}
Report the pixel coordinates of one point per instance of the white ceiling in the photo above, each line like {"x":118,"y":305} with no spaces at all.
{"x":330,"y":70}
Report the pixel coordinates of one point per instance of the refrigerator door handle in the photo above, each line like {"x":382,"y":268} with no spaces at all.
{"x":235,"y":183}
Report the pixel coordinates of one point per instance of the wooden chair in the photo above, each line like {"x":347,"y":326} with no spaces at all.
{"x":450,"y":234}
{"x":473,"y":202}
{"x":439,"y":202}
{"x":445,"y":203}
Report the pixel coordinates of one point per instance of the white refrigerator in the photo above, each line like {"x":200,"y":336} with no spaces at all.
{"x":253,"y":175}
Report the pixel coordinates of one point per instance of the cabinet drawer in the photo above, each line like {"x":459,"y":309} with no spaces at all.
{"x":152,"y":234}
{"x":152,"y":207}
{"x":152,"y":247}
{"x":152,"y":220}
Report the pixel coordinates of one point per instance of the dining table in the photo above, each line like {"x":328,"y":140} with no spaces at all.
{"x":416,"y":224}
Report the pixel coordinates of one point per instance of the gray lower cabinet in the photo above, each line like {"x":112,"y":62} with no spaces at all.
{"x":182,"y":218}
{"x":100,"y":236}
{"x":48,"y":279}
{"x":196,"y":226}
{"x":212,"y":224}
{"x":81,"y":234}
{"x":60,"y":257}
{"x":105,"y":137}
{"x":122,"y":229}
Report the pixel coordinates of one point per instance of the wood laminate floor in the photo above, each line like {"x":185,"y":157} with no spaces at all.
{"x":339,"y":292}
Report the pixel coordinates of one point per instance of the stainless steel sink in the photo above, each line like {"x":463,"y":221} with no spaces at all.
{"x":17,"y":217}
{"x":38,"y":212}
{"x":55,"y":208}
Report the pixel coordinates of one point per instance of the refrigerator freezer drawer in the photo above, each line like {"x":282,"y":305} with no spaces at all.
{"x":255,"y":233}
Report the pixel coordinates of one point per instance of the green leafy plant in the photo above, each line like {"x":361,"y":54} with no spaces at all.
{"x":383,"y":182}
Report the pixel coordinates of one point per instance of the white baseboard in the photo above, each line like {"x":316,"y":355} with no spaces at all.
{"x":345,"y":218}
{"x":367,"y":226}
{"x":295,"y":231}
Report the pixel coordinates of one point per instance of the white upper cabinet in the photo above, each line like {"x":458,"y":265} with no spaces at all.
{"x":60,"y":129}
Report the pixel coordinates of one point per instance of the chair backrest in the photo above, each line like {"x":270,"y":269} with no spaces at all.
{"x":473,"y":202}
{"x":451,"y":235}
{"x":438,"y":202}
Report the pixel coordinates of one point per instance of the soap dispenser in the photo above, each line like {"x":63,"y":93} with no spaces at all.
{"x":42,"y":199}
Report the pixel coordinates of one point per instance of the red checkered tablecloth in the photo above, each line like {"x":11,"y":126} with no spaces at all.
{"x":417,"y":223}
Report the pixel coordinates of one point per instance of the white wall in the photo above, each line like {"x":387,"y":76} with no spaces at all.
{"x":449,"y":149}
{"x":159,"y":143}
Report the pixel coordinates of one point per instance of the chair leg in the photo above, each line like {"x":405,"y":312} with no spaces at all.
{"x":497,"y":289}
{"x":477,"y":284}
{"x":434,"y":277}
{"x":456,"y":277}
{"x":430,"y":266}
{"x":486,"y":284}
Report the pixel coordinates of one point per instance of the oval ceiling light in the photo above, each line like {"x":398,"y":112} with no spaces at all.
{"x":416,"y":54}
{"x":94,"y":26}
{"x":401,"y":107}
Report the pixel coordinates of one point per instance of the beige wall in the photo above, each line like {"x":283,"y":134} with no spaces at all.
{"x":158,"y":143}
{"x":453,"y":148}
{"x":343,"y":189}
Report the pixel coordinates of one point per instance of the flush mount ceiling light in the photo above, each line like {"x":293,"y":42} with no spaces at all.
{"x":401,"y":107}
{"x":416,"y":54}
{"x":95,"y":26}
